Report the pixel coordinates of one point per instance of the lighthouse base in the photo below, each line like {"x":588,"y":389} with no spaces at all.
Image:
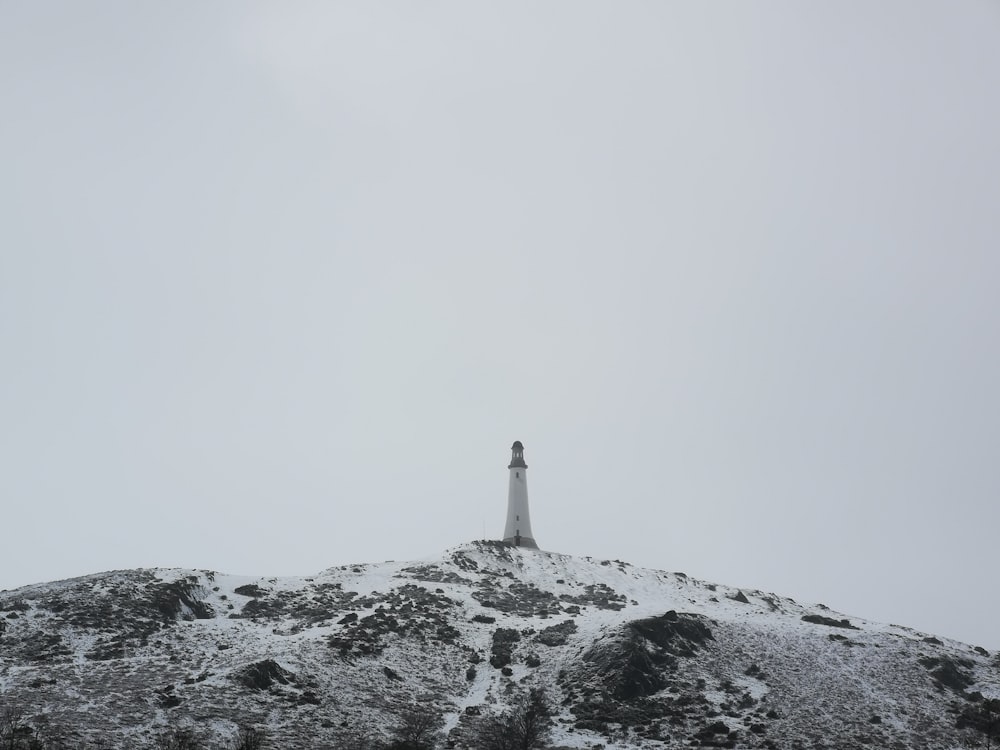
{"x":521,"y":541}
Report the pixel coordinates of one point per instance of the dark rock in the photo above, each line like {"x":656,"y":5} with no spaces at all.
{"x":503,"y":646}
{"x":181,"y":599}
{"x":948,"y":673}
{"x":556,"y":635}
{"x":263,"y":674}
{"x":168,"y":700}
{"x":637,"y":665}
{"x":829,"y":622}
{"x":673,"y":632}
{"x":251,"y":590}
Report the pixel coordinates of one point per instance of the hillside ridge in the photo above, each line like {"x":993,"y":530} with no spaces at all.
{"x":629,"y":657}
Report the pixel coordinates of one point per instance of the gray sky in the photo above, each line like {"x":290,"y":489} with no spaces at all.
{"x":281,"y":283}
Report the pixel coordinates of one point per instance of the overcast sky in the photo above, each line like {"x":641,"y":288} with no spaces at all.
{"x":281,"y":283}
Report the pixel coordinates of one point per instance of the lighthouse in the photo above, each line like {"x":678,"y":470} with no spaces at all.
{"x":517,"y":533}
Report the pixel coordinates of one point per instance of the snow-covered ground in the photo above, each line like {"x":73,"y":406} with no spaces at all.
{"x":629,"y":657}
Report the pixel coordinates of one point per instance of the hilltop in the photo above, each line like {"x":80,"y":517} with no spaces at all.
{"x":629,"y":657}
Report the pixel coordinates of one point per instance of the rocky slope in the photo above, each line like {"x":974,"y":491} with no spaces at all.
{"x":629,"y":657}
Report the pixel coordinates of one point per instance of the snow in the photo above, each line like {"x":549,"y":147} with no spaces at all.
{"x":814,"y":675}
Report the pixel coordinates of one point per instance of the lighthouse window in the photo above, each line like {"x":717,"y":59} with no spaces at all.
{"x":517,"y":518}
{"x":517,"y":474}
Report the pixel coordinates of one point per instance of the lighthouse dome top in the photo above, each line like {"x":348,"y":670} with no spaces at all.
{"x":517,"y":456}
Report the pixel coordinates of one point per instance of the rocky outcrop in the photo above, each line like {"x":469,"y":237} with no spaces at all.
{"x":629,"y":657}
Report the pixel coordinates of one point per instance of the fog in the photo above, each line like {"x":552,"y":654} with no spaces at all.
{"x":281,"y":284}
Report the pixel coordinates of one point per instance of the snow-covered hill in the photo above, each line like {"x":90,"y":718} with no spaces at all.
{"x":629,"y":657}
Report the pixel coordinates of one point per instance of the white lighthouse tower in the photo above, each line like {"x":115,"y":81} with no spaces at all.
{"x":518,"y":530}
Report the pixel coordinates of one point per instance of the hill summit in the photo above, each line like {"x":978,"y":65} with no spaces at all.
{"x":627,"y":658}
